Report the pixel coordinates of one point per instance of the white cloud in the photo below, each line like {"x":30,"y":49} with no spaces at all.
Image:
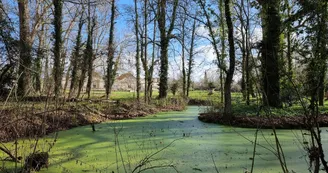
{"x":202,"y":31}
{"x":256,"y":35}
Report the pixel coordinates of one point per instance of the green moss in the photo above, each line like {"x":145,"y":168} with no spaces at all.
{"x":81,"y":150}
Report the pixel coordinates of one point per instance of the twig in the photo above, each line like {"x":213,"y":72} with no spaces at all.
{"x":159,"y":166}
{"x":9,"y":154}
{"x":144,"y":161}
{"x":95,"y":111}
{"x":216,"y":169}
{"x":254,"y":150}
{"x":119,"y":148}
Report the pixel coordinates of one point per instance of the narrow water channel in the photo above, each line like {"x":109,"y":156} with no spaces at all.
{"x":172,"y":138}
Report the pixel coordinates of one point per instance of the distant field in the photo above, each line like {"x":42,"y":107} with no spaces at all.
{"x":198,"y":94}
{"x":239,"y":105}
{"x":119,"y":95}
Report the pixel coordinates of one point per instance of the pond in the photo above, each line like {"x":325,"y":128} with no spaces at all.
{"x":165,"y":139}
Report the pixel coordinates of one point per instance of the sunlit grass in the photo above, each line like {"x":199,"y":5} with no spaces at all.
{"x":239,"y":104}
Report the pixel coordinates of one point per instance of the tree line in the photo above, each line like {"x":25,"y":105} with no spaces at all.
{"x":274,"y":46}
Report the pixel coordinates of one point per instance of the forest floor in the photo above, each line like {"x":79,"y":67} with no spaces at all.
{"x":35,"y":119}
{"x":247,"y":116}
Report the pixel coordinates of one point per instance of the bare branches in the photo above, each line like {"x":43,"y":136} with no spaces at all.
{"x":5,"y":150}
{"x":214,"y":40}
{"x":148,"y":158}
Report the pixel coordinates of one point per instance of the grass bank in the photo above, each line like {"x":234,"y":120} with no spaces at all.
{"x":290,"y":116}
{"x":35,"y":119}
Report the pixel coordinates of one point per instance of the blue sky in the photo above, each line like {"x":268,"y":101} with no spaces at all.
{"x":203,"y":60}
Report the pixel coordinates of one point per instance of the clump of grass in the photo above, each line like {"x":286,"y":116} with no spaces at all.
{"x":171,"y":102}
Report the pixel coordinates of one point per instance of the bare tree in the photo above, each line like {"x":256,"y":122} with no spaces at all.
{"x":76,"y":57}
{"x":183,"y":47}
{"x":136,"y":25}
{"x":191,"y":57}
{"x":228,"y":71}
{"x":89,"y":49}
{"x":111,"y":72}
{"x":145,"y":45}
{"x":243,"y":14}
{"x":165,"y":36}
{"x":271,"y":26}
{"x":9,"y":49}
{"x":152,"y":65}
{"x":25,"y":60}
{"x":39,"y":57}
{"x":58,"y":4}
{"x":223,"y":46}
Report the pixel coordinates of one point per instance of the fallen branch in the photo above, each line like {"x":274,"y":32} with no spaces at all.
{"x":95,"y":111}
{"x":9,"y":154}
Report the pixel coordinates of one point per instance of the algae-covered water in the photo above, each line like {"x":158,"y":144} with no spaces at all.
{"x":167,"y":139}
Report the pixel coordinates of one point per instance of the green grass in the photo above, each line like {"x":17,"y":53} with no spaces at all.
{"x":239,"y":105}
{"x":118,"y":95}
{"x":197,"y":94}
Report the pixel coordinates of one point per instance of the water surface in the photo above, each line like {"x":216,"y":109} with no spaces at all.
{"x":190,"y":145}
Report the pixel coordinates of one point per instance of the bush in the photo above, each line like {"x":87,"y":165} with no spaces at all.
{"x":6,"y":80}
{"x":174,"y":88}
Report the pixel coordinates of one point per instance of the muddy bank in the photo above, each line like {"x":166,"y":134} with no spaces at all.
{"x":198,"y":102}
{"x":31,"y":122}
{"x":279,"y":122}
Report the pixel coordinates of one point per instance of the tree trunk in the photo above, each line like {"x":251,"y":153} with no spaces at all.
{"x":145,"y":60}
{"x":151,"y":68}
{"x":289,"y":46}
{"x":46,"y":81}
{"x":223,"y":47}
{"x":57,"y":45}
{"x":321,"y":95}
{"x":231,"y":70}
{"x":271,"y":26}
{"x":38,"y":59}
{"x":110,"y":72}
{"x":163,"y":85}
{"x":75,"y":58}
{"x":165,"y":36}
{"x":191,"y":57}
{"x":84,"y":68}
{"x":248,"y":52}
{"x":322,"y":53}
{"x":243,"y":49}
{"x":232,"y":57}
{"x":163,"y":45}
{"x":221,"y":86}
{"x":67,"y":79}
{"x":137,"y":49}
{"x":25,"y":60}
{"x":183,"y":57}
{"x":89,"y":50}
{"x":143,"y":64}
